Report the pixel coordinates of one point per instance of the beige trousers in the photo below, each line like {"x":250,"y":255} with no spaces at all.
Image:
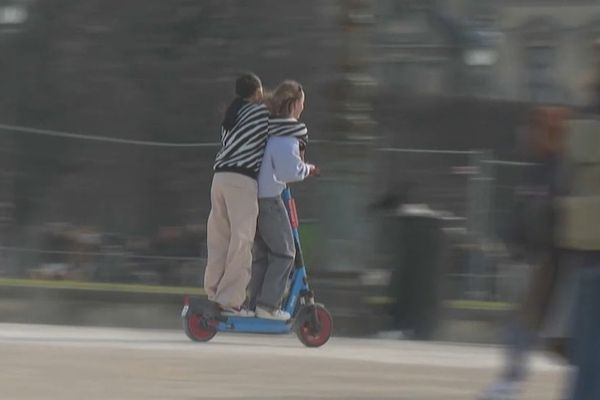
{"x":230,"y":236}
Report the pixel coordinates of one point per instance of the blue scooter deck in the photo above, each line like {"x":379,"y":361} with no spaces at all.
{"x":254,"y":325}
{"x":235,"y":324}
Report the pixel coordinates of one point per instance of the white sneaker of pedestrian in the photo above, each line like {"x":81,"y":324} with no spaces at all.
{"x":278,"y":314}
{"x":502,"y":390}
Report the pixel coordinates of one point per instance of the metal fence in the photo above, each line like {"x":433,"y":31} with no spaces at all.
{"x":470,"y":190}
{"x":474,"y":194}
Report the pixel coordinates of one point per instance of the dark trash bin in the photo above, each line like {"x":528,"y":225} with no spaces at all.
{"x":415,"y":240}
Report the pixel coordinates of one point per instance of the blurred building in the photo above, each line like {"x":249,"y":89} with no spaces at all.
{"x":524,"y":50}
{"x":150,"y":70}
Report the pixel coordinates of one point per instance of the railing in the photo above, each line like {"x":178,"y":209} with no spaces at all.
{"x":469,"y":189}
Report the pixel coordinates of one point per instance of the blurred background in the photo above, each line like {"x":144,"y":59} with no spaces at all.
{"x":417,"y":114}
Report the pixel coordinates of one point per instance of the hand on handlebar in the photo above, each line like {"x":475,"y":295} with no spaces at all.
{"x":314,"y":171}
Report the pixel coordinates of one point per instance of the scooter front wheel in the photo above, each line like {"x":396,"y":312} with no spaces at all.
{"x":197,"y":328}
{"x":314,"y":325}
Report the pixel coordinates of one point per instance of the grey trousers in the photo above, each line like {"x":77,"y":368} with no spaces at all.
{"x":272,"y":255}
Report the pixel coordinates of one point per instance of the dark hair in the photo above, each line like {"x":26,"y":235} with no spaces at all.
{"x":245,"y":86}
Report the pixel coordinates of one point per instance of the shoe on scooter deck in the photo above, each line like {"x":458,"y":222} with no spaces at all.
{"x":211,"y":311}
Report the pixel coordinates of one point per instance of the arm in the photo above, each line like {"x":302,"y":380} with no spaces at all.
{"x":287,"y":163}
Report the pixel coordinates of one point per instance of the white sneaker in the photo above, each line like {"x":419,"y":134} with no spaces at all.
{"x":278,"y":314}
{"x":502,"y":390}
{"x":237,"y":312}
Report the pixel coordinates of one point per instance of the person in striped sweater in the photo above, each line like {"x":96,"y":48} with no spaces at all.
{"x":274,"y":249}
{"x":234,"y":191}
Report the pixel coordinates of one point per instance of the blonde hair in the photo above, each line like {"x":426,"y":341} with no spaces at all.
{"x":281,"y":100}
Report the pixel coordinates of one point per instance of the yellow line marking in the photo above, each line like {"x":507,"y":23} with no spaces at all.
{"x":99,"y":286}
{"x":155,"y":289}
{"x":478,"y":305}
{"x":475,"y":305}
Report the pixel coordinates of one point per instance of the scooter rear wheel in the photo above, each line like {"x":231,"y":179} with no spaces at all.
{"x":314,"y":326}
{"x":197,"y":329}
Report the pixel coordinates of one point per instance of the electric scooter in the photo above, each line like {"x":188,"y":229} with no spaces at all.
{"x":311,"y":322}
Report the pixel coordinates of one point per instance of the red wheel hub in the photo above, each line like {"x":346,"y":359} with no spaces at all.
{"x":195,"y":327}
{"x":319,"y":338}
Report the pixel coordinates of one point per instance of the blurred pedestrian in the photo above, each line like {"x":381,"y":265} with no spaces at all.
{"x":234,"y":193}
{"x":580,"y":233}
{"x":549,"y":299}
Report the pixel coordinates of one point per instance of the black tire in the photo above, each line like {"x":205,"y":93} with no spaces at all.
{"x":306,"y":332}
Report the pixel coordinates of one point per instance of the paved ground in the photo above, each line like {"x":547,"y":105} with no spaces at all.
{"x":49,"y":362}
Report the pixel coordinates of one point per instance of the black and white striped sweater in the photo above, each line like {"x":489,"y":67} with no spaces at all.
{"x":288,"y":127}
{"x":243,"y":146}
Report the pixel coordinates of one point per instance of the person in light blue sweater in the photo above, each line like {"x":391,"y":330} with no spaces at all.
{"x":274,"y":251}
